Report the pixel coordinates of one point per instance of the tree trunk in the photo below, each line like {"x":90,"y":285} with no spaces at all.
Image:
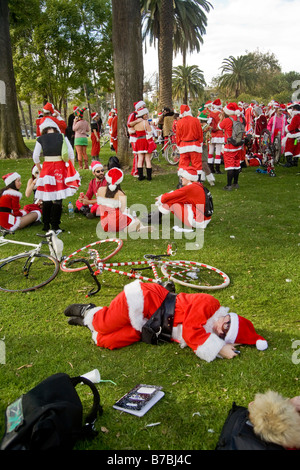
{"x":11,"y":141}
{"x":128,"y":67}
{"x":165,"y":53}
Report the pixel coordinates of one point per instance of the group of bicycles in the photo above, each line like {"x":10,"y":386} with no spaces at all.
{"x":32,"y":269}
{"x":269,"y":149}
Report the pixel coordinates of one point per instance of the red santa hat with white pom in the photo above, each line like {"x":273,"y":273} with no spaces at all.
{"x":96,"y":164}
{"x":189,"y":172}
{"x":185,"y":110}
{"x":114,"y":177}
{"x":10,"y":178}
{"x":232,"y":109}
{"x":242,"y":331}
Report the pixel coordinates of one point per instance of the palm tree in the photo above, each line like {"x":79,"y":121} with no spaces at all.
{"x":187,"y":82}
{"x":238,"y":74}
{"x":189,"y":23}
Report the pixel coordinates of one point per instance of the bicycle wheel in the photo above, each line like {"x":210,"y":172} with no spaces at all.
{"x":105,"y":248}
{"x":24,"y":273}
{"x":195,"y":275}
{"x":277,"y":149}
{"x":265,"y":139}
{"x":172,"y":154}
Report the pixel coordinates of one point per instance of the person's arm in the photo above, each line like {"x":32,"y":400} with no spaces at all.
{"x":70,"y":149}
{"x":30,"y":187}
{"x":36,"y":155}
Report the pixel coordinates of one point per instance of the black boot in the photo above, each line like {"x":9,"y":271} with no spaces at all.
{"x":218,"y":171}
{"x":56,"y":211}
{"x":140,"y":172}
{"x":211,"y":166}
{"x":77,"y":312}
{"x":295,"y":161}
{"x":149,"y":174}
{"x":289,"y":161}
{"x":47,"y":206}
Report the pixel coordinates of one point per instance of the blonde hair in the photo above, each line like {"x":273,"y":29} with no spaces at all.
{"x":275,"y":419}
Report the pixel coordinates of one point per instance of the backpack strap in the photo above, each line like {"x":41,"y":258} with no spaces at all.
{"x":88,"y":429}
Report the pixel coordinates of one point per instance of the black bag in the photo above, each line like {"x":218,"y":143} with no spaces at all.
{"x":50,"y":416}
{"x":209,"y":205}
{"x":238,"y":434}
{"x":160,"y":324}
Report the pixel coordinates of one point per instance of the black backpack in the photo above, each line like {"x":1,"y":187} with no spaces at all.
{"x":50,"y":416}
{"x":209,"y":205}
{"x":238,"y":434}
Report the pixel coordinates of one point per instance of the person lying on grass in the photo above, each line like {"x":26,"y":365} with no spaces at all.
{"x":149,"y":312}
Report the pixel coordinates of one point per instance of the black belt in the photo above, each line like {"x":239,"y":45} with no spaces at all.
{"x":5,"y":209}
{"x":187,"y":141}
{"x":160,"y":325}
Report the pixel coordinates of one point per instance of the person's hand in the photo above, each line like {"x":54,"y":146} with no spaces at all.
{"x":296,"y":402}
{"x":228,"y":351}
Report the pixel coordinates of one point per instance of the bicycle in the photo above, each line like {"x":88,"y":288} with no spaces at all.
{"x":171,"y":152}
{"x":29,"y":270}
{"x":190,"y":274}
{"x":104,"y":139}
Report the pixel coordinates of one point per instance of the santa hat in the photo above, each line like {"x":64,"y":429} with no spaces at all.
{"x":10,"y":178}
{"x":204,"y":115}
{"x":34,"y":170}
{"x":217,"y":104}
{"x":190,"y":173}
{"x":93,"y":115}
{"x":74,"y":108}
{"x":114,"y":177}
{"x":48,"y":108}
{"x":208,"y":104}
{"x":141,"y":112}
{"x":95,"y":164}
{"x":114,"y":110}
{"x":48,"y":122}
{"x":185,"y":110}
{"x":242,"y":331}
{"x":79,"y":112}
{"x":139,"y":104}
{"x":232,"y":109}
{"x":40,"y":113}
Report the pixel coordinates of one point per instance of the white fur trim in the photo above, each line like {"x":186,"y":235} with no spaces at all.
{"x":185,"y":174}
{"x":135,"y":301}
{"x":106,"y":201}
{"x":177,"y":335}
{"x":210,"y":178}
{"x":261,"y":344}
{"x":229,"y":112}
{"x":88,"y":321}
{"x":11,"y":178}
{"x":234,"y":328}
{"x":13,"y":192}
{"x":190,"y":148}
{"x":209,"y":350}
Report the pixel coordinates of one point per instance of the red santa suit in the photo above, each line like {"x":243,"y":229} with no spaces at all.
{"x":217,"y":135}
{"x":186,"y":203}
{"x":292,"y":147}
{"x":232,"y":155}
{"x":189,"y":138}
{"x":121,"y":323}
{"x":132,"y":135}
{"x":10,"y":209}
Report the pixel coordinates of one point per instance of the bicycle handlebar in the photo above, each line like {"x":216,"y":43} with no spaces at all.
{"x":155,"y":256}
{"x":94,"y":275}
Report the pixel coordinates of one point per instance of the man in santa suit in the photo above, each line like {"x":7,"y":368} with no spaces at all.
{"x":37,"y":122}
{"x":186,"y":203}
{"x":217,"y":137}
{"x":292,"y":146}
{"x":111,"y":117}
{"x":232,"y":154}
{"x":131,"y":121}
{"x":194,"y":320}
{"x":189,"y":138}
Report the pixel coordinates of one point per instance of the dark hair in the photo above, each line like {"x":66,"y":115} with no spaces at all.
{"x":110,"y":194}
{"x":9,"y":186}
{"x":113,"y":162}
{"x":44,"y":131}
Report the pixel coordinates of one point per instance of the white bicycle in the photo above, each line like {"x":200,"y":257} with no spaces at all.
{"x":31,"y":269}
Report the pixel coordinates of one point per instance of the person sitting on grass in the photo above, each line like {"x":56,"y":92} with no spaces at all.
{"x":195,"y":320}
{"x":12,"y":217}
{"x":87,"y":203}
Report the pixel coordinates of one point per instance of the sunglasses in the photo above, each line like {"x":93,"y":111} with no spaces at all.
{"x":99,"y":171}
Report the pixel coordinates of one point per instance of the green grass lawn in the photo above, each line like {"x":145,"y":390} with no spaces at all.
{"x":253,"y":237}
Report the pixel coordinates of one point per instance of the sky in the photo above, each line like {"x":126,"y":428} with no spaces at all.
{"x":235,"y":27}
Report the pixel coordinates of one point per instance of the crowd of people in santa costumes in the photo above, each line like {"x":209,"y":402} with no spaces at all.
{"x":188,"y":202}
{"x":194,"y":320}
{"x":57,"y":179}
{"x":12,"y":217}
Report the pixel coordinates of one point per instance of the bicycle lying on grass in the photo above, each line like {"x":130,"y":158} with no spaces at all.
{"x":29,"y":270}
{"x":191,"y":274}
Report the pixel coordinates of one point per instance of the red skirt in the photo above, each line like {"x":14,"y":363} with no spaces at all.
{"x":57,"y":180}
